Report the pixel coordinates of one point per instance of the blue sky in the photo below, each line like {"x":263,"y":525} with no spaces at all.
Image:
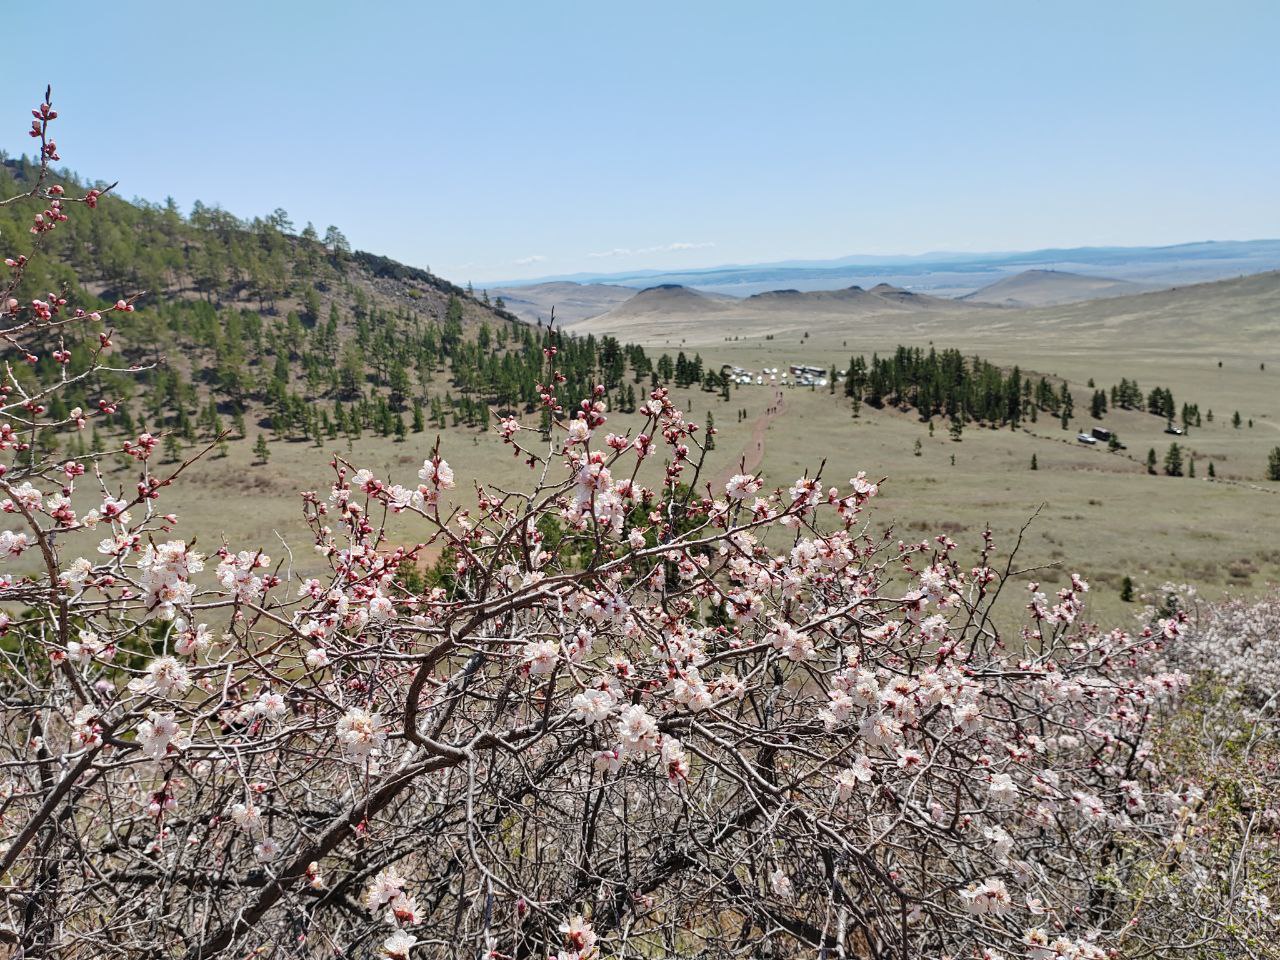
{"x":501,"y":140}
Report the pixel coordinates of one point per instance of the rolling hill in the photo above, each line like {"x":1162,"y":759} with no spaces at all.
{"x":672,"y":310}
{"x":571,"y":301}
{"x":1240,"y":314}
{"x":1043,"y":288}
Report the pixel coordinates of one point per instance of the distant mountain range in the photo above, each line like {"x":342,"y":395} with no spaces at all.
{"x":957,"y":274}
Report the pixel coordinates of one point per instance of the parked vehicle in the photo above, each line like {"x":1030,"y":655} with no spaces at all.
{"x":1087,"y":438}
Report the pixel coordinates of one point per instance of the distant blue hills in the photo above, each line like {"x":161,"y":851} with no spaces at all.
{"x":956,"y":274}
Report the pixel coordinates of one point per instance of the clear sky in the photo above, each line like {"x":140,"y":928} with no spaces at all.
{"x":496,"y":140}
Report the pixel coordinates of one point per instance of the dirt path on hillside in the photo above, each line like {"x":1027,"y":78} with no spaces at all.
{"x":752,"y":455}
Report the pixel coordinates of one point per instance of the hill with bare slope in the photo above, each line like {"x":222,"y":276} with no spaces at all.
{"x":571,"y":301}
{"x":852,"y":300}
{"x":671,"y":310}
{"x":659,"y":303}
{"x":1241,"y":314}
{"x":1044,"y":288}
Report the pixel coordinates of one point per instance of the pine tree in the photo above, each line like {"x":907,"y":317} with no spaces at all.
{"x":1273,"y":464}
{"x":1034,"y":464}
{"x":261,"y":450}
{"x":1126,"y":589}
{"x":1212,"y":472}
{"x":1151,"y":461}
{"x":1173,"y":461}
{"x":172,"y":446}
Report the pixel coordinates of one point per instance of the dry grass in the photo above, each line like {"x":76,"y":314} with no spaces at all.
{"x":1099,"y":512}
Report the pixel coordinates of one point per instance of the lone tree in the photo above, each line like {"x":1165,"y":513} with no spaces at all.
{"x":1173,"y":461}
{"x":261,"y":450}
{"x":1126,"y":589}
{"x":1151,"y":461}
{"x":1273,"y":464}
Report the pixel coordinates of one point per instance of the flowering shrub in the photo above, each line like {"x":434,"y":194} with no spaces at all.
{"x":626,"y":715}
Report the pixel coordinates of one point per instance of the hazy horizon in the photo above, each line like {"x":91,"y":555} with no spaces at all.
{"x":849,"y":259}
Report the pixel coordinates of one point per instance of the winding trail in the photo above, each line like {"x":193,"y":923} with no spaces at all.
{"x":752,"y":455}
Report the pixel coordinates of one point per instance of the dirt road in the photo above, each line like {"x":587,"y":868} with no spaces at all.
{"x":752,"y":455}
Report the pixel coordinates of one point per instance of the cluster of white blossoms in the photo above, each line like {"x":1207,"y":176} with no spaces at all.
{"x":167,"y":572}
{"x":360,"y":733}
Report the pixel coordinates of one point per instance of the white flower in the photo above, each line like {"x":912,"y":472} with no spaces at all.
{"x":266,"y":849}
{"x":1003,"y":788}
{"x":637,"y":730}
{"x":741,"y":486}
{"x":190,"y":641}
{"x":608,"y":761}
{"x":990,"y":896}
{"x":166,"y":576}
{"x":381,"y":608}
{"x":383,"y":888}
{"x":398,"y":945}
{"x":1001,"y":842}
{"x":438,"y":474}
{"x":403,"y":910}
{"x":540,"y":656}
{"x":360,"y":733}
{"x":165,"y":675}
{"x":159,"y":734}
{"x":14,"y":543}
{"x":592,"y":706}
{"x":271,"y":705}
{"x":578,"y":934}
{"x":674,"y":759}
{"x":790,"y":642}
{"x":246,"y":815}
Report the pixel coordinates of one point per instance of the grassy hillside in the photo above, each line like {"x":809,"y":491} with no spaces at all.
{"x":1044,"y":288}
{"x":258,"y":326}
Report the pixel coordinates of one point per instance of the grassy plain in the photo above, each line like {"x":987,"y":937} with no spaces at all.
{"x":1096,"y":512}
